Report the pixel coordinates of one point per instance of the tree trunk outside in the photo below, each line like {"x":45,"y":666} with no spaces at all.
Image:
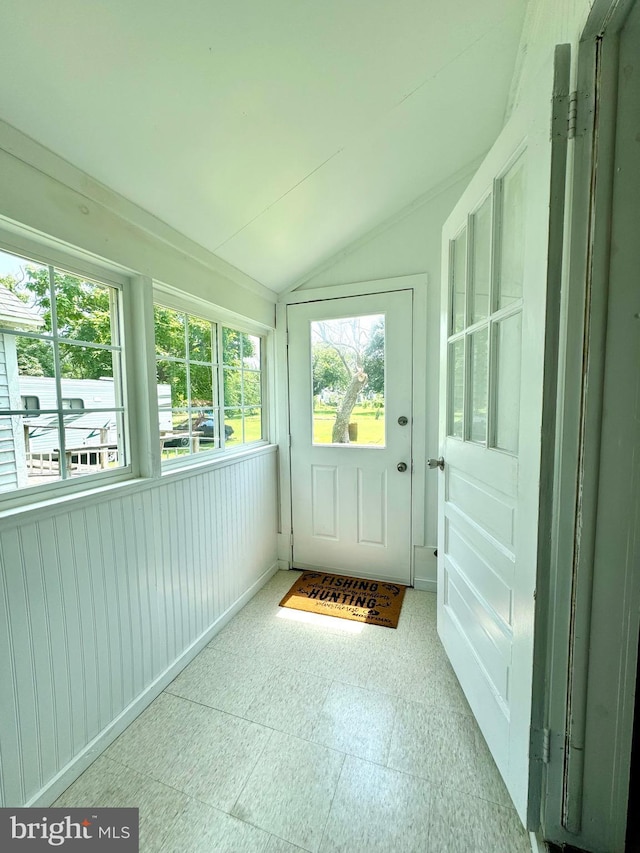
{"x":340,"y":434}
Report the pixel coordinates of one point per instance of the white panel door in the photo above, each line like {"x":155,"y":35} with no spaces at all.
{"x":492,"y":359}
{"x":350,"y":380}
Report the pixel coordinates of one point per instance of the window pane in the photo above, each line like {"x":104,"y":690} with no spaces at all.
{"x":78,"y":362}
{"x":205,"y":425}
{"x":508,"y":348}
{"x":251,"y":352}
{"x":348,"y":371}
{"x":232,"y":387}
{"x":83,"y":309}
{"x":35,"y":359}
{"x":512,"y":235}
{"x":252,"y":424}
{"x":199,"y":339}
{"x":201,"y":380}
{"x":34,"y":443}
{"x":479,"y":354}
{"x":169,"y":332}
{"x":458,"y":282}
{"x":456,"y":388}
{"x":251,"y":388}
{"x":93,"y":442}
{"x":233,"y":426}
{"x":480,"y":259}
{"x":231,"y":344}
{"x":173,"y":374}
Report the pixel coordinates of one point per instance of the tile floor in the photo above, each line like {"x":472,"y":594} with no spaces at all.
{"x":291,"y":732}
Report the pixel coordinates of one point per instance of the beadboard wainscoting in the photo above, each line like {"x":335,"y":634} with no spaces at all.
{"x":102,"y":602}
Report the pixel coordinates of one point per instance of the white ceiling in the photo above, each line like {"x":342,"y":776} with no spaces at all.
{"x":272,"y":132}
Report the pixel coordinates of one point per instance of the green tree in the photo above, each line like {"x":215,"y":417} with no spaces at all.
{"x":329,"y":371}
{"x":373,"y":362}
{"x":85,"y":312}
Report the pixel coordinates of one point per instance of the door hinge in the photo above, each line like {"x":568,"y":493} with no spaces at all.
{"x":286,"y":338}
{"x":541,"y":745}
{"x":291,"y":540}
{"x":572,"y":115}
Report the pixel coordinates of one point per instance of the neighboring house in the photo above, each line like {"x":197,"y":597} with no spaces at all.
{"x":14,"y":314}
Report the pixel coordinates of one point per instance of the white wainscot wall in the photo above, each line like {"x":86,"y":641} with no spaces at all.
{"x":101,"y":605}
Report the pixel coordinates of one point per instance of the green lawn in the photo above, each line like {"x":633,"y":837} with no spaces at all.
{"x":370,"y":428}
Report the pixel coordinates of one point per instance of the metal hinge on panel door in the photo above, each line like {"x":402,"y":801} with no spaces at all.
{"x":572,"y":117}
{"x":540,"y":745}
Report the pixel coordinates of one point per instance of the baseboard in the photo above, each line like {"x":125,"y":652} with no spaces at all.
{"x":538,"y":845}
{"x":92,"y":750}
{"x":425,"y":585}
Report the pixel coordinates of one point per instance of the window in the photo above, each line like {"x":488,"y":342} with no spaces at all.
{"x":485,"y":326}
{"x":242,"y":362}
{"x":30,"y":402}
{"x":209,"y":384}
{"x":61,"y":397}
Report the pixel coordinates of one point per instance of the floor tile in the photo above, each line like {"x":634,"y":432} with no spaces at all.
{"x":201,"y":829}
{"x":107,"y":784}
{"x":377,"y":810}
{"x":341,"y":658}
{"x":291,"y":789}
{"x":463,"y":824}
{"x":290,"y":702}
{"x":200,"y":751}
{"x":356,"y":721}
{"x":221,"y":680}
{"x":445,"y":748}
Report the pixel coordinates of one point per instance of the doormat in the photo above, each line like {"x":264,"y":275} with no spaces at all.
{"x":360,"y":600}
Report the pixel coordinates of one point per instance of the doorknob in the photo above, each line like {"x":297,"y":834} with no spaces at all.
{"x":402,"y":420}
{"x":436,"y":463}
{"x":402,"y":467}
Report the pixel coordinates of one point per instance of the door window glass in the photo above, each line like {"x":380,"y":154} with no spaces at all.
{"x":348,"y":375}
{"x":508,"y":344}
{"x":480,"y":263}
{"x":485,"y":330}
{"x":511,"y":256}
{"x":456,"y":387}
{"x":478,"y":392}
{"x":458,"y":283}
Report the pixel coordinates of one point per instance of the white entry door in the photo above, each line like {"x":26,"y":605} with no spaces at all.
{"x":495,"y":247}
{"x":350,"y":381}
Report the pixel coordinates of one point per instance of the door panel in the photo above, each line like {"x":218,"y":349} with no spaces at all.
{"x":351,"y":506}
{"x":492,"y":365}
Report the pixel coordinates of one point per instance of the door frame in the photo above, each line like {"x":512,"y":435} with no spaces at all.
{"x":578,"y":809}
{"x":423,"y":565}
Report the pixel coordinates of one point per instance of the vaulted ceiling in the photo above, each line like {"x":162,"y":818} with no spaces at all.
{"x":272,"y":132}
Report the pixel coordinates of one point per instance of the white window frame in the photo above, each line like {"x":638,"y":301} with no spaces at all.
{"x":78,"y":263}
{"x":169,"y":297}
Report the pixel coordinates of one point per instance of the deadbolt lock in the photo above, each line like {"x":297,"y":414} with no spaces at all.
{"x":403,"y":421}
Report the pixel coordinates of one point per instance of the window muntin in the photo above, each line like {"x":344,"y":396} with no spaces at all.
{"x":61,"y":338}
{"x":210,"y":384}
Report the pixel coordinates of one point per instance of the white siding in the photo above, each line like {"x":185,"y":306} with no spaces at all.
{"x":8,"y":465}
{"x":98,"y":602}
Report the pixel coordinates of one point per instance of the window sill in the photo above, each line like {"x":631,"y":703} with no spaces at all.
{"x":60,"y":504}
{"x":193,"y":465}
